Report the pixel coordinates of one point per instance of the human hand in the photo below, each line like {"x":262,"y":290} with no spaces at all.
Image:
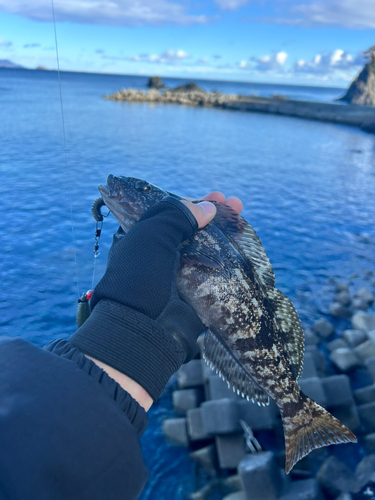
{"x":140,"y":329}
{"x":203,"y":215}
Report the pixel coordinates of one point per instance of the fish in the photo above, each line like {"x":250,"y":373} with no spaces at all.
{"x":254,"y":338}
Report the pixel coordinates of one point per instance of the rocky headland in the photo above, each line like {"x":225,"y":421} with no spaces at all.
{"x":362,"y":89}
{"x":240,"y":445}
{"x":191,"y":95}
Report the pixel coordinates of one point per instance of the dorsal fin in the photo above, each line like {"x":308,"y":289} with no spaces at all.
{"x":220,"y":358}
{"x":247,"y":241}
{"x":290,"y":328}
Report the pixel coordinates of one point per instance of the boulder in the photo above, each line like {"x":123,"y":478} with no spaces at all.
{"x":313,"y":388}
{"x":258,"y":417}
{"x":365,"y":394}
{"x":336,"y":344}
{"x":307,"y":489}
{"x":345,"y":359}
{"x":174,"y":429}
{"x":339,"y":310}
{"x":309,"y":368}
{"x":348,"y":415}
{"x":366,"y":295}
{"x":370,"y":365}
{"x":337,"y":391}
{"x":344,"y":496}
{"x":319,"y":358}
{"x":206,"y":457}
{"x":220,"y":416}
{"x":310,"y":337}
{"x":365,"y":351}
{"x":363,"y":321}
{"x":360,"y":304}
{"x":365,"y":470}
{"x":342,"y":287}
{"x":260,"y":476}
{"x":155,"y":82}
{"x":188,"y":87}
{"x":190,"y":375}
{"x":238,"y":495}
{"x":335,"y":478}
{"x":323,"y":328}
{"x":354,"y":337}
{"x":369,"y":440}
{"x":186,"y":399}
{"x":195,"y":428}
{"x":366,"y":413}
{"x":343,"y":298}
{"x":231,"y":449}
{"x":218,"y":389}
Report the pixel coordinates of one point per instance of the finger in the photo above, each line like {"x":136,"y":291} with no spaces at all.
{"x":204,"y":211}
{"x":214,"y":196}
{"x":235,"y":203}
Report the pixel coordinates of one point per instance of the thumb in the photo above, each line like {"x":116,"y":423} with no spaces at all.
{"x":204,"y":211}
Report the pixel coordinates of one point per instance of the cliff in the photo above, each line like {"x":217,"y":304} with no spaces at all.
{"x":362,"y":89}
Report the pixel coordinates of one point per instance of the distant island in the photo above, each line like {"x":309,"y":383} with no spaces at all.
{"x":5,"y":63}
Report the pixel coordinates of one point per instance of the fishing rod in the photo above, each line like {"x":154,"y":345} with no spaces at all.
{"x":83,"y":310}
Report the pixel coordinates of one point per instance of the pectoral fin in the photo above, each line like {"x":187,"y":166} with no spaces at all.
{"x":220,"y":358}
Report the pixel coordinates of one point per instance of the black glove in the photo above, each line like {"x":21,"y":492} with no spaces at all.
{"x":139,"y":325}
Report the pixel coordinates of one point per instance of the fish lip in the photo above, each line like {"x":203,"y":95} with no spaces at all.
{"x":103,"y":190}
{"x":113,"y":191}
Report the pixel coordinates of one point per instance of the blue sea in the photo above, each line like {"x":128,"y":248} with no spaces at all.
{"x":308,"y":189}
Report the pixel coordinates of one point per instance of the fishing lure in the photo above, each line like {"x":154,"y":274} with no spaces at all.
{"x":83,"y":310}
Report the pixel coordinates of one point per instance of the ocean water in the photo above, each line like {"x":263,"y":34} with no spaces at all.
{"x":307,"y":188}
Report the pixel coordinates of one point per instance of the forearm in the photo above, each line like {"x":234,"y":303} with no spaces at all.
{"x":129,"y":385}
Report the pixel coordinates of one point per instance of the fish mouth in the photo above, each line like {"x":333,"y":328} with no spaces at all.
{"x":113,"y":189}
{"x":113,"y":194}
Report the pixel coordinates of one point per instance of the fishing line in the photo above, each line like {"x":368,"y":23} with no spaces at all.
{"x":65,"y":151}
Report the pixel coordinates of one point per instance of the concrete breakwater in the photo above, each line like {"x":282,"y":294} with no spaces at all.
{"x":359,"y":116}
{"x":226,"y":433}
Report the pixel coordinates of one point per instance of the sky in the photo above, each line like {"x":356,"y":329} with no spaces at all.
{"x":303,"y":42}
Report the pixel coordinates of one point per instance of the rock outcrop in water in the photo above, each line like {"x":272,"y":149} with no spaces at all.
{"x":362,"y":89}
{"x":155,"y":82}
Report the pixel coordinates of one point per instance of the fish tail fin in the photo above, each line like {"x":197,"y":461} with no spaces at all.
{"x":307,"y":427}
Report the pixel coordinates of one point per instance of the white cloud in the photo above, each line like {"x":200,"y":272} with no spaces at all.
{"x":351,"y":14}
{"x":281,"y":57}
{"x":175,"y":57}
{"x":267,"y":63}
{"x":335,"y":61}
{"x":106,"y":12}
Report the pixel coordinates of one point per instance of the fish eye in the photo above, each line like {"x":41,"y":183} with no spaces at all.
{"x":142,"y":187}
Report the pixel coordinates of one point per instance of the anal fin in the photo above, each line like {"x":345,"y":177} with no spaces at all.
{"x":218,"y":356}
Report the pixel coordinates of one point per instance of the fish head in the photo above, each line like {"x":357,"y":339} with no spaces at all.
{"x":128,"y":198}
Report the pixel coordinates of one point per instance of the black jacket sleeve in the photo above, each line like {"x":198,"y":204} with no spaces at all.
{"x":63,"y":433}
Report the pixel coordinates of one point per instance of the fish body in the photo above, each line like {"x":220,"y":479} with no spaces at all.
{"x":254,"y":337}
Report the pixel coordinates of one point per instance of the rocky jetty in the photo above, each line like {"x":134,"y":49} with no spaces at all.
{"x":362,"y":89}
{"x":241,"y":446}
{"x":192,"y":95}
{"x":180,"y":95}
